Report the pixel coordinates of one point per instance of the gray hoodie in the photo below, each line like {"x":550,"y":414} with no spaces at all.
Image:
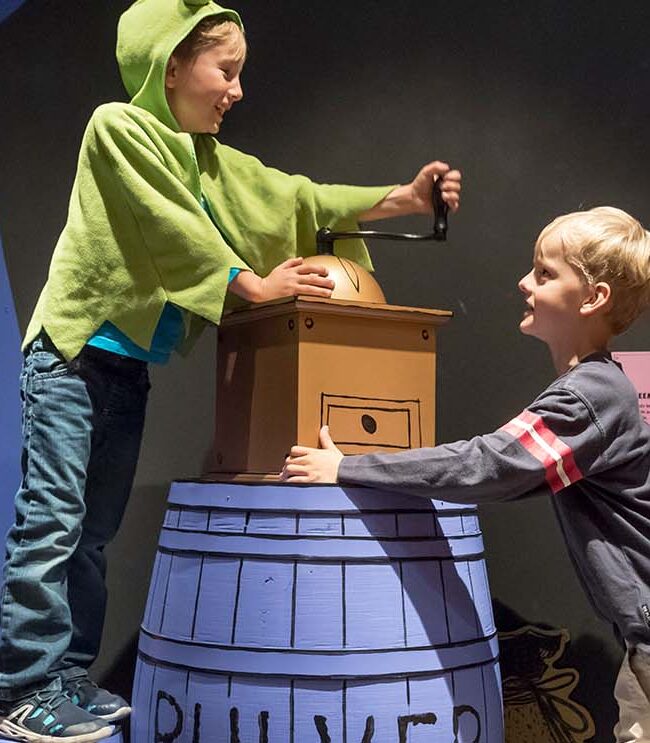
{"x":584,"y":443}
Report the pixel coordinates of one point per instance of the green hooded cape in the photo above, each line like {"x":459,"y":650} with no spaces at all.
{"x":137,"y":236}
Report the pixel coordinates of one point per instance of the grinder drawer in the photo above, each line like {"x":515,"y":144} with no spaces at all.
{"x":359,"y":425}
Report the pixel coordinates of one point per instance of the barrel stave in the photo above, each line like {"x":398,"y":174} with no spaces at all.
{"x":180,"y":605}
{"x":155,"y":607}
{"x":425,"y":612}
{"x":216,"y":602}
{"x":318,"y":594}
{"x":374,"y":611}
{"x":263,"y":614}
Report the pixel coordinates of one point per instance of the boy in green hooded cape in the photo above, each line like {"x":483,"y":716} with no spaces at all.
{"x":164,"y":223}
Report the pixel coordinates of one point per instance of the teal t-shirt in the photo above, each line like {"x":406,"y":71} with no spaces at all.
{"x":169,"y":332}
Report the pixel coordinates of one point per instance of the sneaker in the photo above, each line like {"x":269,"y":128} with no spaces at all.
{"x":50,"y":717}
{"x":98,"y":702}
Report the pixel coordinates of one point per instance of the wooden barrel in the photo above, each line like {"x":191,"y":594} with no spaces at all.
{"x":284,"y":614}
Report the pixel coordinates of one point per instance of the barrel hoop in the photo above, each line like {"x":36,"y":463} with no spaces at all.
{"x":331,"y":549}
{"x":365,"y":664}
{"x":261,"y":508}
{"x":308,"y":499}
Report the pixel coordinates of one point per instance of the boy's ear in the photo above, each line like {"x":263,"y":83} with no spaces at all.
{"x":171,"y":73}
{"x":598,"y":300}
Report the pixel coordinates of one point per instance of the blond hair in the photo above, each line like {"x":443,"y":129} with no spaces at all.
{"x":607,"y":244}
{"x":213,"y":31}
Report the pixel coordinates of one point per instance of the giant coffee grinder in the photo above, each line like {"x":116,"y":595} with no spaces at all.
{"x":353,"y":362}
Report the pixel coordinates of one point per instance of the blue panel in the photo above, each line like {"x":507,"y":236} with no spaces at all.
{"x":180,"y":604}
{"x":460,"y":602}
{"x":193,"y":520}
{"x":7,"y":7}
{"x":424,"y":604}
{"x":172,"y":517}
{"x":433,"y":696}
{"x":450,"y":526}
{"x":208,"y":710}
{"x":330,"y":525}
{"x":384,"y":702}
{"x":322,"y":700}
{"x":493,"y":702}
{"x":319,"y":606}
{"x":153,"y":613}
{"x":469,"y":703}
{"x":225,"y":521}
{"x":146,"y":701}
{"x":252,"y":697}
{"x":215,"y":608}
{"x":271,"y":523}
{"x":416,"y":525}
{"x":481,"y":594}
{"x":371,"y":524}
{"x":374,"y":615}
{"x":265,"y":601}
{"x":168,"y":712}
{"x":470,"y":524}
{"x":10,"y":438}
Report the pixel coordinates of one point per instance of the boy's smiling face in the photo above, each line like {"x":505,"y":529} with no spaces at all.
{"x":200,"y":90}
{"x":554,"y":292}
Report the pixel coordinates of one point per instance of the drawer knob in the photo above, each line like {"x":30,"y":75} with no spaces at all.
{"x":369,"y":423}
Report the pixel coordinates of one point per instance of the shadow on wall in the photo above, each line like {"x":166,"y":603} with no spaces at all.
{"x":129,"y":573}
{"x":555,"y":688}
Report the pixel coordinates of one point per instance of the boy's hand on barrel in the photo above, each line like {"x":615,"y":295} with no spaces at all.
{"x":422,"y":187}
{"x":308,"y":465}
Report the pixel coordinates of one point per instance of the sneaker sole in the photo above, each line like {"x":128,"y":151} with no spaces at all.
{"x":119,"y":714}
{"x":14,"y":732}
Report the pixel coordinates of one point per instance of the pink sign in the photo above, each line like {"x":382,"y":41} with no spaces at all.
{"x":636,"y":365}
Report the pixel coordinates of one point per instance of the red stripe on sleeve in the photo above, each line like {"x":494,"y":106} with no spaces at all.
{"x":555,"y":456}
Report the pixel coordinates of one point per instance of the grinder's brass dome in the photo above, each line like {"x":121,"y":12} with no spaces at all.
{"x":351,"y":281}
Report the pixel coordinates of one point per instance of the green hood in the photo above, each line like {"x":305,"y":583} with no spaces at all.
{"x":137,"y":235}
{"x":147,"y":34}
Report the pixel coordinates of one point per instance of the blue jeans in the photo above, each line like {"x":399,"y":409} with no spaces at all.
{"x":82,"y":427}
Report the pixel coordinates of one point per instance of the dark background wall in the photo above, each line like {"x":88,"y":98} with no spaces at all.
{"x":543,"y":105}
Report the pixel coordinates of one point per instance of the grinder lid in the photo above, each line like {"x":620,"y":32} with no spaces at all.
{"x":351,"y":281}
